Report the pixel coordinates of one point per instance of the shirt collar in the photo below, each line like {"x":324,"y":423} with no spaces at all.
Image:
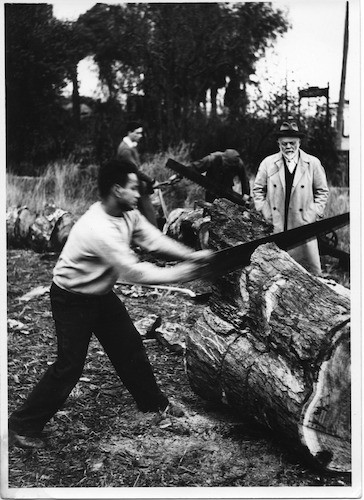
{"x":129,"y":142}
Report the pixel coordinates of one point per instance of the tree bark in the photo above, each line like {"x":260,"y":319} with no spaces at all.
{"x":189,"y":226}
{"x":274,"y":343}
{"x":18,"y":223}
{"x":44,"y":232}
{"x":76,"y":102}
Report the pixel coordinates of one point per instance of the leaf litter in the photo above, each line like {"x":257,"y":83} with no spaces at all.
{"x":100,"y":439}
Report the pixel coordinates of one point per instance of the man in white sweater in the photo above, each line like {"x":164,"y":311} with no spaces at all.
{"x":96,"y":255}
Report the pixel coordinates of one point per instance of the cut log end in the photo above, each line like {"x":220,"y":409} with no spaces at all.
{"x":274,"y":343}
{"x":326,"y":421}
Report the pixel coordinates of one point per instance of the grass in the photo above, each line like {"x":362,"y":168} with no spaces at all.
{"x":339,"y":203}
{"x":99,"y":439}
{"x":64,"y":185}
{"x":68,"y":186}
{"x":182,"y":194}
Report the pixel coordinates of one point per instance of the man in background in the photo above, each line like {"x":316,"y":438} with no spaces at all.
{"x":226,"y":170}
{"x":128,"y":151}
{"x":290,"y":190}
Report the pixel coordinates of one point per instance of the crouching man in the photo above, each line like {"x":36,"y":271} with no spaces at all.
{"x":96,"y":255}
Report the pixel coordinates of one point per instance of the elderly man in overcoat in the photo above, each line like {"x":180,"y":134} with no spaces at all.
{"x":290,"y":190}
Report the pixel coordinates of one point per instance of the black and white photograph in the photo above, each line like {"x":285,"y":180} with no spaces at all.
{"x":181,"y":250}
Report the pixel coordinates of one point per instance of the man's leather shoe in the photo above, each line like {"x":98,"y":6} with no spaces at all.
{"x":25,"y":441}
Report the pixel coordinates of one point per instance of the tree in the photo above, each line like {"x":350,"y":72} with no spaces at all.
{"x":75,"y":44}
{"x":34,"y":73}
{"x":193,"y":48}
{"x":173,"y":54}
{"x":165,"y":57}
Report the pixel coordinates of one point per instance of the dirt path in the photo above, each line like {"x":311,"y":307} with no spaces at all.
{"x":99,"y":439}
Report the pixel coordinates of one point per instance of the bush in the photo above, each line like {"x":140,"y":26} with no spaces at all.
{"x":181,"y":194}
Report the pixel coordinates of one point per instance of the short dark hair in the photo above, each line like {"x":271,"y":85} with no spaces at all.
{"x":114,"y":172}
{"x":133,"y":125}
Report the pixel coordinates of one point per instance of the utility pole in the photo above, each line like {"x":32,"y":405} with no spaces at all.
{"x":287,"y":108}
{"x":340,"y":109}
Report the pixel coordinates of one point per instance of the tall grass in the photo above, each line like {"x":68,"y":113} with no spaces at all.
{"x":63,"y":184}
{"x":67,"y":186}
{"x":339,"y":203}
{"x":181,"y":194}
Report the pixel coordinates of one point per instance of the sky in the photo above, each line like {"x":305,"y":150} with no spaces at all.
{"x":310,"y":53}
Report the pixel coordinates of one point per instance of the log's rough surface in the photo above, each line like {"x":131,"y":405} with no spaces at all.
{"x":274,"y":343}
{"x":41,"y":232}
{"x":188,"y":225}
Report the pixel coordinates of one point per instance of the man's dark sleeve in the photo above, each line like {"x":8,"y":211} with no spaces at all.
{"x":147,"y":183}
{"x":202,"y":165}
{"x":245,"y":186}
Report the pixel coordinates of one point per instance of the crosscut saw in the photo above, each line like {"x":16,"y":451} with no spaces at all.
{"x":193,"y":175}
{"x":229,"y":259}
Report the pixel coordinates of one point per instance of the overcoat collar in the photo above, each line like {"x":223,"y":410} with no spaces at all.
{"x":303,"y":161}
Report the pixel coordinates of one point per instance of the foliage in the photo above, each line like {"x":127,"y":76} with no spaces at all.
{"x":320,"y":141}
{"x":171,"y":54}
{"x":73,"y":187}
{"x":251,"y":136}
{"x":34,"y":76}
{"x":63,"y":184}
{"x":159,"y":62}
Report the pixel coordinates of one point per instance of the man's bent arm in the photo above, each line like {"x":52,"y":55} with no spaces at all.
{"x":152,"y":239}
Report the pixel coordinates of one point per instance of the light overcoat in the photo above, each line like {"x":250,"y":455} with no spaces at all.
{"x":309,"y":196}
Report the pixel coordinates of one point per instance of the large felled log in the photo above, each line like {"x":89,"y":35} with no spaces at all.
{"x":42,"y":232}
{"x":18,"y":223}
{"x":188,"y":225}
{"x":274,"y":343}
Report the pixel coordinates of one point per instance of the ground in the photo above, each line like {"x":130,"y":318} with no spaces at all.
{"x":100,"y":439}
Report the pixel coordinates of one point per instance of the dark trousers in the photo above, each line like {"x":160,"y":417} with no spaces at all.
{"x":76,"y":318}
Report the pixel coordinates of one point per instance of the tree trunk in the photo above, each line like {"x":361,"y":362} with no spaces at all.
{"x":274,"y":343}
{"x":213,"y":98}
{"x":76,"y":103}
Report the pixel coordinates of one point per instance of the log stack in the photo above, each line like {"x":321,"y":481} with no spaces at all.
{"x":274,"y":343}
{"x":41,"y":232}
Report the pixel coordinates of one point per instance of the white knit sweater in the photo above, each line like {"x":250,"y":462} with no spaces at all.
{"x":97,"y":253}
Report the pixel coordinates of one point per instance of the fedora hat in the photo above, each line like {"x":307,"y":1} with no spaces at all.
{"x":289,"y":129}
